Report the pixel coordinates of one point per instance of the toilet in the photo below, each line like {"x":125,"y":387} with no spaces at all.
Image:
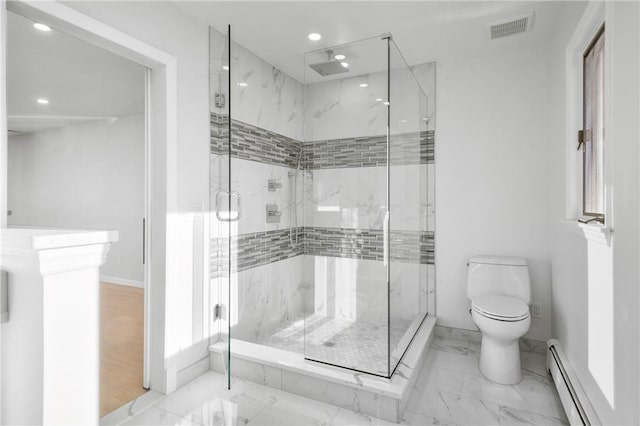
{"x":500,"y":293}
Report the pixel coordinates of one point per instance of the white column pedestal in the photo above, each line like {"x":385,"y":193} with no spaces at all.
{"x":50,"y":346}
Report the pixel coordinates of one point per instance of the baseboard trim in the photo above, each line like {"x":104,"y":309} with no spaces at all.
{"x":194,"y":370}
{"x":574,"y":399}
{"x":122,"y":281}
{"x":526,"y":344}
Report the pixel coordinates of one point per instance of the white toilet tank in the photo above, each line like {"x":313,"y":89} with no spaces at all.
{"x":508,"y":276}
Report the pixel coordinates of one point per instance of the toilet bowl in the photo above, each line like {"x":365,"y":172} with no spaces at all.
{"x":500,"y":293}
{"x":503,"y":320}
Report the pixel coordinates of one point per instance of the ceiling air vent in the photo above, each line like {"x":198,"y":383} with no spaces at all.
{"x":514,"y":26}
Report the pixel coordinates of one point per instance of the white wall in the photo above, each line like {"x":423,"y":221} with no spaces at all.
{"x":87,"y":176}
{"x":570,"y":290}
{"x":492,"y":110}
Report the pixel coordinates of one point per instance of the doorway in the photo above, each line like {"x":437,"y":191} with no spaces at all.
{"x":77,"y":142}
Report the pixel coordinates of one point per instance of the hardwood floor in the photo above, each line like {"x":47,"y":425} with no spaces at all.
{"x":121,"y":345}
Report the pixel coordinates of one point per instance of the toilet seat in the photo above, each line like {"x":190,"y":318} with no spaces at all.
{"x":501,"y":308}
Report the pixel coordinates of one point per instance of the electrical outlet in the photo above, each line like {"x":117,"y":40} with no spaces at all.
{"x":536,"y":310}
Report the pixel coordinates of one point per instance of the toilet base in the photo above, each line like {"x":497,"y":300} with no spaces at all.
{"x":500,"y":360}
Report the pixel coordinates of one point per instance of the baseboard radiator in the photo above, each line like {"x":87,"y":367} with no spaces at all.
{"x":576,"y":404}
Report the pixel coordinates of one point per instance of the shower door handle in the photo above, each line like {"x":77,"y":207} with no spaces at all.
{"x":385,"y":239}
{"x":231,"y":195}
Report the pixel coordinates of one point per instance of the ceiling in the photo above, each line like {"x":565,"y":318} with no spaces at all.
{"x":423,"y":30}
{"x":82,"y":82}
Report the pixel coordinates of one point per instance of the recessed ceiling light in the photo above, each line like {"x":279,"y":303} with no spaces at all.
{"x":403,"y":121}
{"x":42,"y":101}
{"x":225,"y":67}
{"x":314,"y":36}
{"x":41,"y":27}
{"x":378,"y":99}
{"x":339,"y":57}
{"x":345,"y":64}
{"x":364,"y":85}
{"x":386,"y":103}
{"x":242,"y":84}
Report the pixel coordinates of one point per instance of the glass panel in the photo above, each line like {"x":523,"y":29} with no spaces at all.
{"x":408,"y":199}
{"x":262,"y":201}
{"x":300,"y":262}
{"x":345,"y":151}
{"x":221,"y":224}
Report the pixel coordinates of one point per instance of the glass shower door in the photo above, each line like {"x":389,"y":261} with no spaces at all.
{"x":225,"y":204}
{"x":346,"y":206}
{"x":410,"y":243}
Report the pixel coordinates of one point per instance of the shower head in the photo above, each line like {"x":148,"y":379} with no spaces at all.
{"x":329,"y":68}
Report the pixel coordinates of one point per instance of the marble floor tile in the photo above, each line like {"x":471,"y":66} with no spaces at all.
{"x":449,"y":390}
{"x":206,"y":400}
{"x":295,"y":403}
{"x":410,"y":418}
{"x":453,"y":360}
{"x":271,"y":416}
{"x":535,"y":363}
{"x":534,"y":393}
{"x":511,"y":416}
{"x":450,"y":345}
{"x":156,"y":416}
{"x":349,"y":418}
{"x":441,"y":379}
{"x":467,"y":411}
{"x":424,"y":402}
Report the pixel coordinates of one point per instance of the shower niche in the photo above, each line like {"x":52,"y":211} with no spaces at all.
{"x":343,"y":153}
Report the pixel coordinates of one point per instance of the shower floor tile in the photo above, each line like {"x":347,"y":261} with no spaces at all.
{"x":352,"y":344}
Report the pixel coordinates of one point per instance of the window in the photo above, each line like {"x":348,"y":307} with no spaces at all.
{"x":591,"y":138}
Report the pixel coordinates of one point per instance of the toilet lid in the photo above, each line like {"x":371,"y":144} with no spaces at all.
{"x":500,"y":307}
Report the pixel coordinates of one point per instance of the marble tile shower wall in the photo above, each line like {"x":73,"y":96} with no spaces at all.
{"x":339,"y":109}
{"x":263,"y":95}
{"x":344,"y":250}
{"x":356,"y":289}
{"x":266,"y":130}
{"x":346,"y":188}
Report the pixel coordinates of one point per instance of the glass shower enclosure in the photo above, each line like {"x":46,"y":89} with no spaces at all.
{"x":322,"y":203}
{"x":365,"y":190}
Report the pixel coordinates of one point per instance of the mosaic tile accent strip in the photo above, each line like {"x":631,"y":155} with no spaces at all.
{"x":262,"y":248}
{"x":253,"y":250}
{"x":253,"y":143}
{"x":219,"y":132}
{"x":405,"y":246}
{"x":370,"y":151}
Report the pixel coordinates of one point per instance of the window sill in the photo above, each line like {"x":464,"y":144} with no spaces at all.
{"x":597,"y":233}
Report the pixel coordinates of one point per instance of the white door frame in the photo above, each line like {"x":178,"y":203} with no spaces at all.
{"x":161,"y":129}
